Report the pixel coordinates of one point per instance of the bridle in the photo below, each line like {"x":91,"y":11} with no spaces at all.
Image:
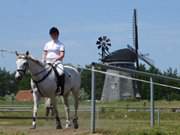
{"x":23,"y":70}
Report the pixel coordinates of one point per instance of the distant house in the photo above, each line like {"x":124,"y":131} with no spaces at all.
{"x":24,"y":95}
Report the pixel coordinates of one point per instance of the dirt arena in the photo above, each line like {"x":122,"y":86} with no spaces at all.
{"x":18,"y":130}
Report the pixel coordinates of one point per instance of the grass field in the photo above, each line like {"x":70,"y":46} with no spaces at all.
{"x":112,"y":119}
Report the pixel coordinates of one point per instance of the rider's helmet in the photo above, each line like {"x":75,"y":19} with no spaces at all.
{"x":53,"y":30}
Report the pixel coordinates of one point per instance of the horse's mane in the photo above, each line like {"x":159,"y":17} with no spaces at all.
{"x":36,"y":61}
{"x":23,"y":56}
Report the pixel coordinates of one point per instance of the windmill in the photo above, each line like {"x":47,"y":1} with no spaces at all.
{"x":116,"y":88}
{"x":103,"y":43}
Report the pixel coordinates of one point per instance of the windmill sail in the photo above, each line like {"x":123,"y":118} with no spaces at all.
{"x":143,"y":57}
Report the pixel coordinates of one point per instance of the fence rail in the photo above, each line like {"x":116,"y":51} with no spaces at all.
{"x":150,"y":82}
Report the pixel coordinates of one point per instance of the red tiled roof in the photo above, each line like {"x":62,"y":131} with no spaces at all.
{"x":24,"y":95}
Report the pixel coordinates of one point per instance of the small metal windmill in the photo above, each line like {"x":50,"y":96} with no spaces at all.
{"x":103,"y":43}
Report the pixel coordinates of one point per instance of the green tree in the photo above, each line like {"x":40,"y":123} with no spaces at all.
{"x":7,"y":83}
{"x":86,"y":81}
{"x":24,"y":84}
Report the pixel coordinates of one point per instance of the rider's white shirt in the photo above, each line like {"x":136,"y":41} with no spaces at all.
{"x":53,"y":48}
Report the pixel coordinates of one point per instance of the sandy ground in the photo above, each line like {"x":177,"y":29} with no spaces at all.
{"x":17,"y":130}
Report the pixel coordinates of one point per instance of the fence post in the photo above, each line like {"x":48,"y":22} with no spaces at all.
{"x":93,"y":101}
{"x":158,"y":117}
{"x":152,"y":121}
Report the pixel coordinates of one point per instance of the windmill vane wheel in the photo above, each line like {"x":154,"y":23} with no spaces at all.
{"x":103,"y":43}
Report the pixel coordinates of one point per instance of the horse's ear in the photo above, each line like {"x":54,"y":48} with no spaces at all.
{"x":27,"y":53}
{"x":17,"y":54}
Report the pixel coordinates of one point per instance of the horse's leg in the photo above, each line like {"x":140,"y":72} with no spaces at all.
{"x":36,"y":99}
{"x":58,"y":122}
{"x":76,"y":105}
{"x":67,"y":110}
{"x":52,"y":111}
{"x":47,"y":112}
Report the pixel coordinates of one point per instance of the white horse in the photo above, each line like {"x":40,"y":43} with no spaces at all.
{"x":44,"y":84}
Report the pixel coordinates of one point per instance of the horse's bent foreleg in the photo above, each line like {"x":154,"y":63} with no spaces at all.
{"x":58,"y":121}
{"x":67,"y":110}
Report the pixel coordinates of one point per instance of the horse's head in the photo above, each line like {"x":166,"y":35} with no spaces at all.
{"x":21,"y":64}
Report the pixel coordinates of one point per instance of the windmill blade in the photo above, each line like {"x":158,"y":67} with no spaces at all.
{"x":98,"y":43}
{"x":150,"y":61}
{"x":100,"y":39}
{"x":109,"y":44}
{"x":104,"y":38}
{"x":145,"y":55}
{"x":142,"y":56}
{"x":99,"y":46}
{"x":130,"y":47}
{"x":108,"y":40}
{"x":147,"y":60}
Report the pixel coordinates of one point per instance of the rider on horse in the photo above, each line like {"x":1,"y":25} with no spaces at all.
{"x":54,"y":52}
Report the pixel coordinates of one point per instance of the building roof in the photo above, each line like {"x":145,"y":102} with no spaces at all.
{"x":24,"y":95}
{"x":121,"y":55}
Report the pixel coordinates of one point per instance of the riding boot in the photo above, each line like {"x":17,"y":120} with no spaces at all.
{"x":61,"y":84}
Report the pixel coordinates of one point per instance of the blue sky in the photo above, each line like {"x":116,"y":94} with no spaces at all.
{"x":24,"y":26}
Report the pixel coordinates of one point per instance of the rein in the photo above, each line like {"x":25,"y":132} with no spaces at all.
{"x":44,"y":77}
{"x":41,"y":80}
{"x":38,"y":73}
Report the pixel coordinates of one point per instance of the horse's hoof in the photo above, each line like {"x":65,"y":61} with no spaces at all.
{"x":33,"y":127}
{"x":76,"y":126}
{"x":58,"y":127}
{"x":68,"y":126}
